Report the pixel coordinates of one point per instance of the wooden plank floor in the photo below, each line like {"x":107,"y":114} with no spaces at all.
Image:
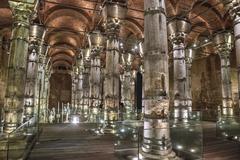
{"x":76,"y":142}
{"x":218,"y":149}
{"x":71,"y":142}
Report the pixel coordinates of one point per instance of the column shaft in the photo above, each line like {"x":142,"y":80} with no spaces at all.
{"x":111,"y":88}
{"x":14,"y":99}
{"x":86,"y":86}
{"x":156,"y":137}
{"x":226,"y":85}
{"x":235,"y":13}
{"x":31,"y":88}
{"x":180,"y":82}
{"x":223,"y":44}
{"x":126,"y":92}
{"x":95,"y":79}
{"x":177,"y":29}
{"x":189,"y":86}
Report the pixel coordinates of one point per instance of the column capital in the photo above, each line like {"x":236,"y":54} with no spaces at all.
{"x":113,"y":14}
{"x":223,"y":43}
{"x":190,"y":55}
{"x":21,"y":11}
{"x":234,"y":9}
{"x":178,"y":29}
{"x":97,"y":39}
{"x":36,"y":34}
{"x":87,"y":63}
{"x":97,"y":42}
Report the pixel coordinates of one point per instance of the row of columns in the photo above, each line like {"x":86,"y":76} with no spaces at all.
{"x":157,"y":142}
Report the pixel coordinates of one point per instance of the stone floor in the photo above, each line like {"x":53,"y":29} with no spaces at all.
{"x":77,"y":142}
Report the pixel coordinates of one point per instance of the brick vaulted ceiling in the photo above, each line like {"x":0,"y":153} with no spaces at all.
{"x":68,"y":21}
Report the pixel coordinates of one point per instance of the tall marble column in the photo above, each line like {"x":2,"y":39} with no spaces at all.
{"x":40,"y":83}
{"x":85,"y":81}
{"x":14,"y":99}
{"x":78,"y":95}
{"x":190,"y":54}
{"x":113,"y":14}
{"x":97,"y":43}
{"x":74,"y":86}
{"x":36,"y":36}
{"x":126,"y":81}
{"x":177,"y":30}
{"x":45,"y":85}
{"x":234,"y":9}
{"x":224,"y":44}
{"x":156,"y":137}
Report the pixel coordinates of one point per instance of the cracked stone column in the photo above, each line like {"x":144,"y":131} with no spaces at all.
{"x":190,"y":54}
{"x":156,"y":137}
{"x":36,"y":36}
{"x":97,"y":43}
{"x":234,"y":10}
{"x":127,"y":84}
{"x":86,"y":85}
{"x":113,"y":14}
{"x":177,"y":30}
{"x":14,"y":99}
{"x":224,"y":44}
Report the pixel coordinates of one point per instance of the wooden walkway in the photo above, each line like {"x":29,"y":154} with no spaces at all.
{"x":73,"y":142}
{"x":216,"y":148}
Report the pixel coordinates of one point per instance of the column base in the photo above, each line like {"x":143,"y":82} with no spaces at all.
{"x":109,"y":128}
{"x":153,"y":156}
{"x":181,"y":115}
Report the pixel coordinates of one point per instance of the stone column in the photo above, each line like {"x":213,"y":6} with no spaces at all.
{"x":36,"y":36}
{"x":78,"y":84}
{"x":133,"y":90}
{"x":190,"y":54}
{"x":74,"y":86}
{"x":126,"y":84}
{"x":113,"y":14}
{"x":40,"y":82}
{"x":14,"y":99}
{"x":156,"y":137}
{"x":224,"y":44}
{"x":85,"y":82}
{"x":177,"y":30}
{"x":97,"y":43}
{"x":234,"y":10}
{"x":45,"y":87}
